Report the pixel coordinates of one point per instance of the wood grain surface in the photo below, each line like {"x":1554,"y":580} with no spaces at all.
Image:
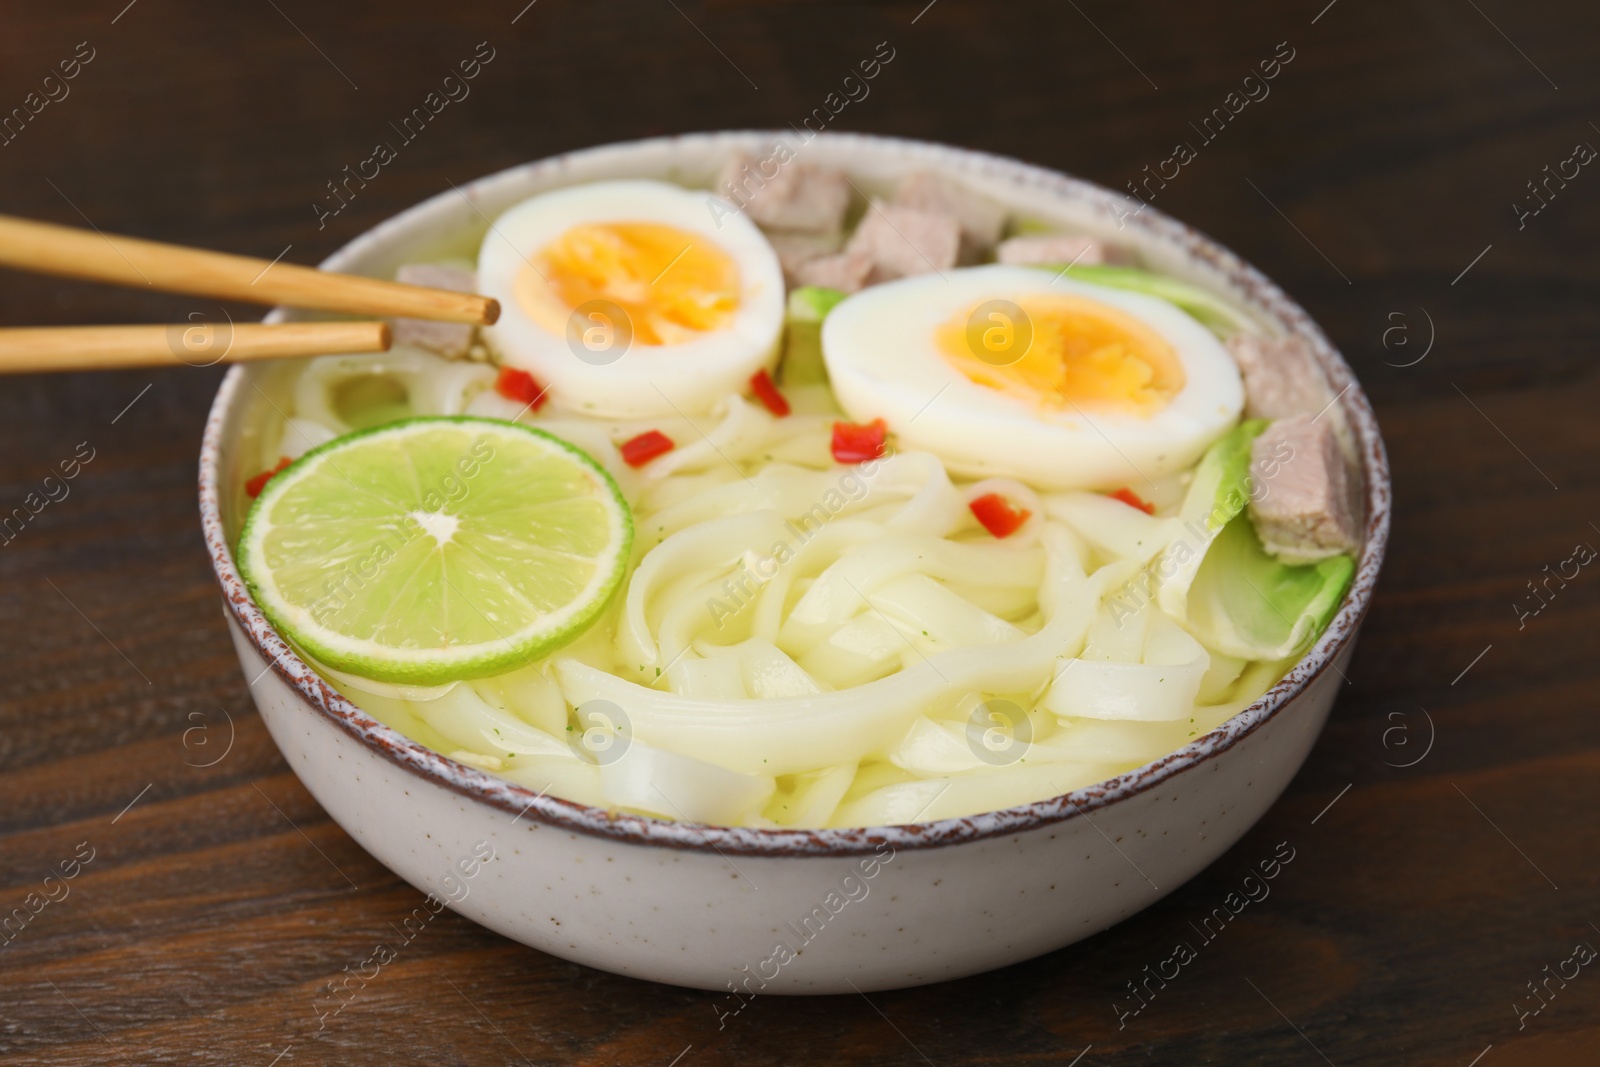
{"x":1445,"y":827}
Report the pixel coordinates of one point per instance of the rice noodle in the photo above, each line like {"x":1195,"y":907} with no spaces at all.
{"x":805,"y":644}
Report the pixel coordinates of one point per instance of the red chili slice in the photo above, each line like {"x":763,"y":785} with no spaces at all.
{"x":855,"y":443}
{"x":1130,"y":498}
{"x":767,"y":393}
{"x":520,"y":386}
{"x":998,"y":515}
{"x":254,"y":486}
{"x":637,"y":451}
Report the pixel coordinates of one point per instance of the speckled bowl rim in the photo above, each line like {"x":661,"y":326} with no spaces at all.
{"x":1262,"y":295}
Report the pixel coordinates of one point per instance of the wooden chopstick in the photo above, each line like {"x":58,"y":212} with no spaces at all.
{"x":44,"y":348}
{"x":45,"y":248}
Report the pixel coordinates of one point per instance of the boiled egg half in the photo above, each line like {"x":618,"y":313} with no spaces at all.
{"x":1004,"y":370}
{"x":633,"y":298}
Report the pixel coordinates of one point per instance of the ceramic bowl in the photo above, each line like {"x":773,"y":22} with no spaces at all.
{"x":785,"y":911}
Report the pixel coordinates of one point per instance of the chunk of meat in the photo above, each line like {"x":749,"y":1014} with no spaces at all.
{"x":438,"y":276}
{"x":1053,"y":248}
{"x":786,"y":196}
{"x":902,"y":241}
{"x":847,"y":272}
{"x":795,"y":250}
{"x":1281,"y":376}
{"x":448,"y":339}
{"x":981,"y":219}
{"x":1302,"y":499}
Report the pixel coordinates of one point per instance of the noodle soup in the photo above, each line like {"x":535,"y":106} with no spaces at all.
{"x":864,"y":513}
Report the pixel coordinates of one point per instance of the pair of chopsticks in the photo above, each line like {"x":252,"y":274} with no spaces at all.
{"x":44,"y":248}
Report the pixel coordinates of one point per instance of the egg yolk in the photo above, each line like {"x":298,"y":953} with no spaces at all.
{"x":673,"y":285}
{"x":1064,"y":351}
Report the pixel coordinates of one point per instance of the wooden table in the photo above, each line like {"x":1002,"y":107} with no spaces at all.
{"x":1445,"y":826}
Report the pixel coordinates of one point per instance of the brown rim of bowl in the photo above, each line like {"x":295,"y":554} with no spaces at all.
{"x":1261,"y":294}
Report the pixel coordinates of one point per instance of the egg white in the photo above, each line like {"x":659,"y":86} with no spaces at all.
{"x":646,"y":380}
{"x":884,"y":362}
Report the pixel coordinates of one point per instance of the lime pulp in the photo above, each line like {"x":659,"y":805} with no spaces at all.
{"x":436,"y":549}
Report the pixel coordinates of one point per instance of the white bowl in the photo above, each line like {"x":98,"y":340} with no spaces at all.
{"x":785,"y":911}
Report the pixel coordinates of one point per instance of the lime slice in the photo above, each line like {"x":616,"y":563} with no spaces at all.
{"x":436,"y":549}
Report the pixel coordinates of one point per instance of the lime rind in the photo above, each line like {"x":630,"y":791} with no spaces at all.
{"x":538,"y":554}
